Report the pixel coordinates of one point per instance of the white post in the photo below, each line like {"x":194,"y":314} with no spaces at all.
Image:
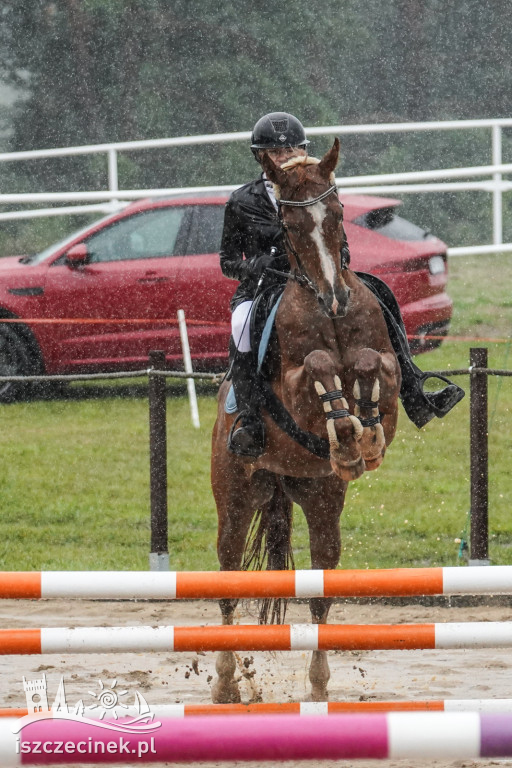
{"x":113,"y":182}
{"x":187,"y":361}
{"x":497,"y":207}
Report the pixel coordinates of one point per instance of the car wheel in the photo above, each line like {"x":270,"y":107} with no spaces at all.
{"x":15,"y":360}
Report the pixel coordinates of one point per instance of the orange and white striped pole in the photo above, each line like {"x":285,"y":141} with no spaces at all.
{"x":285,"y":637}
{"x":172,"y":585}
{"x":309,"y":708}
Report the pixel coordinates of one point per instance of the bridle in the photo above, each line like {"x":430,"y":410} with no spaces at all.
{"x":299,"y":275}
{"x":306,"y":203}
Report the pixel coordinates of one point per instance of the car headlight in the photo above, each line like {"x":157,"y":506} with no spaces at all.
{"x":436,"y":265}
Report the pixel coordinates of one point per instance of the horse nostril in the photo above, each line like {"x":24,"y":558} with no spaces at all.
{"x":323,"y":302}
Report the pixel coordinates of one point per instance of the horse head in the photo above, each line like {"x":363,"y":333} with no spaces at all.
{"x":312,"y":217}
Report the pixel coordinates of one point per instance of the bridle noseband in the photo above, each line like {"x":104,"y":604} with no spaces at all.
{"x":306,"y":203}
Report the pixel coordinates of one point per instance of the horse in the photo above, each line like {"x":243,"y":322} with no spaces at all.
{"x":336,"y":375}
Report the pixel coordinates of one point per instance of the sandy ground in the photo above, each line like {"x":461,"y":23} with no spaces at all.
{"x":172,"y":677}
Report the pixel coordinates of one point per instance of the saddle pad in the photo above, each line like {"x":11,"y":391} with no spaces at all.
{"x":230,"y":403}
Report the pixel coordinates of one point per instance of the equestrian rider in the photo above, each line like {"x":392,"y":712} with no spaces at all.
{"x":253,"y":244}
{"x":252,"y":241}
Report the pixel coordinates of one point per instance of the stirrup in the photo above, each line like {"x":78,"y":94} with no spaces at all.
{"x":252,"y":438}
{"x":422,"y":406}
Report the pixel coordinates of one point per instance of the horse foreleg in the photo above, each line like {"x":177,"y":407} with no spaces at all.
{"x":391,"y":380}
{"x":343,"y":429}
{"x":375,"y":393}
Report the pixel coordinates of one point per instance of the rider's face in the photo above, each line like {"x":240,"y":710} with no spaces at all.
{"x":281,"y":154}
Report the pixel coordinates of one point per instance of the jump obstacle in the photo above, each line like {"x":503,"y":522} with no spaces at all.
{"x":305,"y":708}
{"x":280,"y":637}
{"x":170,"y":585}
{"x":452,"y":728}
{"x":392,"y":735}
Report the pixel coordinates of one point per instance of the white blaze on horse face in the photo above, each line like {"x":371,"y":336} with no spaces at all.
{"x":318,"y":212}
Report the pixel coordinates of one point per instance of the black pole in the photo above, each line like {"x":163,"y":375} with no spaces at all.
{"x":479,"y":550}
{"x":159,"y":555}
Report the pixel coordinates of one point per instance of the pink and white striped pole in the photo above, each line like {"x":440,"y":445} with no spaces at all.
{"x":396,"y":735}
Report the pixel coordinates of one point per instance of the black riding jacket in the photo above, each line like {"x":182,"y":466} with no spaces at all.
{"x":251,"y":228}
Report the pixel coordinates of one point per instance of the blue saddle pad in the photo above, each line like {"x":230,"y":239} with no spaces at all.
{"x":230,"y":404}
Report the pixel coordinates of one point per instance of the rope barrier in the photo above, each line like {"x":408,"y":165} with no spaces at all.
{"x":215,"y":377}
{"x":473,"y":369}
{"x":100,"y":320}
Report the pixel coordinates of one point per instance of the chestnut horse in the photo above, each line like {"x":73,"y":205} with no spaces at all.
{"x":337,"y":376}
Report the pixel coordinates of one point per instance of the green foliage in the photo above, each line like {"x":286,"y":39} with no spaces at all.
{"x":107,"y":70}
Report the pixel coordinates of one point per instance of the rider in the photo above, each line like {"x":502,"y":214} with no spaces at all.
{"x":252,"y":246}
{"x":252,"y":230}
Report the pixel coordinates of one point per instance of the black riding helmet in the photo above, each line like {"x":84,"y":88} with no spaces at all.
{"x":277,"y":129}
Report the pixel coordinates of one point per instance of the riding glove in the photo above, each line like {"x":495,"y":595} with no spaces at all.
{"x":260,"y":263}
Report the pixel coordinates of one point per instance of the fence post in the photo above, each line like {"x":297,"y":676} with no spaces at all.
{"x":479,"y":545}
{"x":159,"y":555}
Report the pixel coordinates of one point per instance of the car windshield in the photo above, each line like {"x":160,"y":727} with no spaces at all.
{"x":39,"y":257}
{"x":386,"y":222}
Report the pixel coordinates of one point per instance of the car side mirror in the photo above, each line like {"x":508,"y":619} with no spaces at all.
{"x":77,"y":256}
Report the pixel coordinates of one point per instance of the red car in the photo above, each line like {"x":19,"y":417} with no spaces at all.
{"x":113,"y":289}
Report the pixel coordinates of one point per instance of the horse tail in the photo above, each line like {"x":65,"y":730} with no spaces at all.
{"x":268,"y":545}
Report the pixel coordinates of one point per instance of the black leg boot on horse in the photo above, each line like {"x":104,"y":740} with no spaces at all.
{"x":247,"y":435}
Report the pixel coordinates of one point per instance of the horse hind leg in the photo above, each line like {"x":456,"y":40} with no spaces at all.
{"x":236,"y":502}
{"x":322,"y":501}
{"x":319,"y":672}
{"x":225,"y":687}
{"x":235,"y":510}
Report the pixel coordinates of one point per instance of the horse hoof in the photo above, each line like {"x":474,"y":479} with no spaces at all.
{"x":373,"y":463}
{"x":225,"y":692}
{"x":348,"y":471}
{"x":318,"y":693}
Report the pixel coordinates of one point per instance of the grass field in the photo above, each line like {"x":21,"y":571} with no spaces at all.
{"x":74,"y":470}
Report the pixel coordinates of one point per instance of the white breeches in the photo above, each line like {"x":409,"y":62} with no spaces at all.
{"x":240,"y":326}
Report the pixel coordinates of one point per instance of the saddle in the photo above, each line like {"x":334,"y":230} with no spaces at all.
{"x":261,"y":323}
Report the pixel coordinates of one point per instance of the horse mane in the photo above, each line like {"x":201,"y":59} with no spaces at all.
{"x":302,"y":160}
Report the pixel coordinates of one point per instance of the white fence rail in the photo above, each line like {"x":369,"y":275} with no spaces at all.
{"x":112,"y":198}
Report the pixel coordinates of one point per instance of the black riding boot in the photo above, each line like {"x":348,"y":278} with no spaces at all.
{"x":420,"y":406}
{"x":247,"y":436}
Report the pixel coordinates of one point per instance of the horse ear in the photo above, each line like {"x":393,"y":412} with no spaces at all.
{"x":330,"y":160}
{"x":273,"y":171}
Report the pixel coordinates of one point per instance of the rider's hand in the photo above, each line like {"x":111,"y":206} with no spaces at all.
{"x":260,"y":263}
